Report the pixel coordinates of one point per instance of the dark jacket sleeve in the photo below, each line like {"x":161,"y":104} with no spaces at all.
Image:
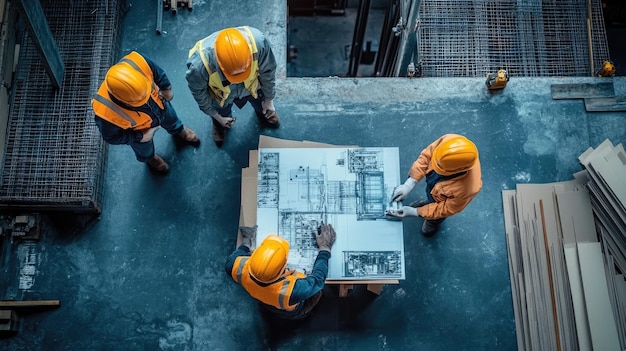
{"x":242,"y":250}
{"x":160,"y":78}
{"x":314,"y":282}
{"x":115,"y":135}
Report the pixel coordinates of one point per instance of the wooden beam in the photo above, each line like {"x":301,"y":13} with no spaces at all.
{"x":46,"y":46}
{"x":15,"y":305}
{"x":581,"y":91}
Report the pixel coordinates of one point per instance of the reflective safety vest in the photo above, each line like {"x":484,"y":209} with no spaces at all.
{"x":124,"y":118}
{"x":220,"y":92}
{"x":275,"y":294}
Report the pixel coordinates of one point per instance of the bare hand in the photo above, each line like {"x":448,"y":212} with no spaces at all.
{"x":325,"y":237}
{"x":225,"y":122}
{"x":166,"y":95}
{"x":149,"y":134}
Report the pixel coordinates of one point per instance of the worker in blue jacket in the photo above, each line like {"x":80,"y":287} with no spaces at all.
{"x":288,"y":294}
{"x":132,"y":103}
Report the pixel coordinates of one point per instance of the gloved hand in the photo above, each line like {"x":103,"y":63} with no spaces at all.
{"x":325,"y":237}
{"x":404,"y":211}
{"x":166,"y":94}
{"x":402,"y":190}
{"x":267,"y":105}
{"x":248,"y":235}
{"x":225,"y":122}
{"x":148,"y":134}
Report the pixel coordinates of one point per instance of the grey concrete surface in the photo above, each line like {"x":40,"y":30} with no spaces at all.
{"x":148,"y":273}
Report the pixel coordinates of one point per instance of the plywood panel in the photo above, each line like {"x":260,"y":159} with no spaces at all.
{"x":601,"y":320}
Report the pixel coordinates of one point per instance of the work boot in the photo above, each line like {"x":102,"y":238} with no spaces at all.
{"x":430,"y":228}
{"x":219,"y":133}
{"x":189,"y":136}
{"x":158,"y":164}
{"x":270,"y":119}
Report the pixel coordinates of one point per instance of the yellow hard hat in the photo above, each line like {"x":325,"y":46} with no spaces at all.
{"x":128,"y":85}
{"x":269,"y":260}
{"x":454,"y":155}
{"x":233,"y":55}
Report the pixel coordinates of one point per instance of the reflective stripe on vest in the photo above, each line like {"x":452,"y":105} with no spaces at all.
{"x":276,"y":294}
{"x":124,"y":118}
{"x":239,"y":263}
{"x":220,"y":92}
{"x":111,"y":105}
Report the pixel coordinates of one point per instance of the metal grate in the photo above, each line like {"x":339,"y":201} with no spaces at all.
{"x":461,"y":38}
{"x":55,"y":156}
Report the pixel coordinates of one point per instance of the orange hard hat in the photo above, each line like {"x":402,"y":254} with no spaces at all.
{"x":269,"y":260}
{"x":233,"y":55}
{"x":455,"y":155}
{"x":127,"y":84}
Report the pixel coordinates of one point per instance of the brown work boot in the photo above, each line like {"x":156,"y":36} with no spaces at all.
{"x":189,"y":136}
{"x":219,"y":133}
{"x":158,"y":164}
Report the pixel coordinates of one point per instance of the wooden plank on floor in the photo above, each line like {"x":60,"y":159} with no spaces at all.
{"x":578,"y":297}
{"x":581,"y":91}
{"x":606,"y":104}
{"x":16,"y":305}
{"x":599,"y":311}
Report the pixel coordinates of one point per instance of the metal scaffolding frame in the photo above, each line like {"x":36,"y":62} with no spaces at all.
{"x":55,"y":157}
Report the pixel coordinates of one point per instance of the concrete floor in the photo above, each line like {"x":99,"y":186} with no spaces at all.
{"x":148,"y":273}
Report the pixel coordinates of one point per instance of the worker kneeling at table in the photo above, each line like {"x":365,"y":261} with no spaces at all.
{"x":286,"y":293}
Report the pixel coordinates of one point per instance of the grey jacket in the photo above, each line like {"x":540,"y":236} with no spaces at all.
{"x":198,"y":78}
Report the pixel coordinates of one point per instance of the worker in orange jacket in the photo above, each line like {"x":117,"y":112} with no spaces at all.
{"x":451,"y":168}
{"x":288,"y":294}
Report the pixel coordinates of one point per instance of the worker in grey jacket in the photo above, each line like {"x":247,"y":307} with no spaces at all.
{"x":233,"y":65}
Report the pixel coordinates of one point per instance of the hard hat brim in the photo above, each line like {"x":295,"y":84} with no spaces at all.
{"x":238,"y":78}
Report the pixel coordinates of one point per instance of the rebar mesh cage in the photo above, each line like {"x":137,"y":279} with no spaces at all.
{"x":54,"y":155}
{"x":530,"y":38}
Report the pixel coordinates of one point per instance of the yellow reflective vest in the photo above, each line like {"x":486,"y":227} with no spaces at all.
{"x":220,"y":92}
{"x":124,"y":118}
{"x":276,"y":294}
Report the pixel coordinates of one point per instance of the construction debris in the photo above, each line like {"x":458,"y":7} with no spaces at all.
{"x":23,"y":226}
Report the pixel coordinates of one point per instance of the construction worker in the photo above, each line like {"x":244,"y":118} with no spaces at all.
{"x":233,"y":65}
{"x":452,"y":171}
{"x":288,"y":294}
{"x":132,"y":103}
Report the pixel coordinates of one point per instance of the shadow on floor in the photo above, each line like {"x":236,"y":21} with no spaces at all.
{"x":332,"y":313}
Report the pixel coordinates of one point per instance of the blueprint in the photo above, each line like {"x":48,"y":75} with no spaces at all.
{"x":350,"y":188}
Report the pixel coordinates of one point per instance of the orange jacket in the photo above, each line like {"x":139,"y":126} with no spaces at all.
{"x":275,"y":294}
{"x":451,"y":196}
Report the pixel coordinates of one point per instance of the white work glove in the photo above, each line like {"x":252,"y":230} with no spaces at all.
{"x":225,"y":122}
{"x":166,"y":94}
{"x":402,"y":190}
{"x":404,"y":211}
{"x":148,"y":134}
{"x":267,"y":105}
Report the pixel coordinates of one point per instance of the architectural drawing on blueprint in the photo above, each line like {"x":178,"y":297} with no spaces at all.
{"x":350,"y":188}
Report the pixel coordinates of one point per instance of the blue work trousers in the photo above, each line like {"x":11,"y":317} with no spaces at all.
{"x":168,"y":119}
